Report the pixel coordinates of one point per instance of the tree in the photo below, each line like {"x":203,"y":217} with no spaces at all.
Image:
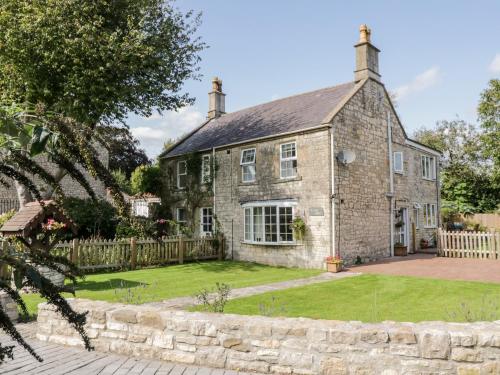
{"x":489,"y":116}
{"x":122,"y":181}
{"x":146,"y":179}
{"x":124,"y":152}
{"x":465,"y":174}
{"x":95,"y":61}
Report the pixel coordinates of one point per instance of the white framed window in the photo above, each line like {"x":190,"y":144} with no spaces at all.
{"x":269,"y":223}
{"x":416,"y":215}
{"x":398,"y":162}
{"x":140,"y":208}
{"x":206,"y":221}
{"x":247,"y":163}
{"x":430,"y":215}
{"x":180,"y":215}
{"x":181,"y":174}
{"x":205,"y":169}
{"x":288,"y":160}
{"x":428,"y":167}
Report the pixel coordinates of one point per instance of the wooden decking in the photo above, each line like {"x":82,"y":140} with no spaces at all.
{"x":60,"y":360}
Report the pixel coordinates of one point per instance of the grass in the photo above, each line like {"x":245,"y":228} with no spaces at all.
{"x":375,"y":298}
{"x":156,"y":284}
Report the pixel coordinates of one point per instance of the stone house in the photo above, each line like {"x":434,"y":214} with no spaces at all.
{"x":338,"y":158}
{"x":71,"y":188}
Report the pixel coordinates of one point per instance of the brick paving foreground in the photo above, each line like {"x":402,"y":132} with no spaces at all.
{"x":428,"y":265}
{"x":60,"y":360}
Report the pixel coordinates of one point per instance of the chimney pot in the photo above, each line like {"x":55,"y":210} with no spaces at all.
{"x":366,"y":56}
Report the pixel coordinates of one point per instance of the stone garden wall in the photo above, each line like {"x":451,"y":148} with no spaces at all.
{"x":281,"y":345}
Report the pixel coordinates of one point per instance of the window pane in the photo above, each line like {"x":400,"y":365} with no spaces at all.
{"x":182,"y":167}
{"x":248,"y":228}
{"x":398,"y":161}
{"x":248,"y":172}
{"x":182,"y":181}
{"x":286,"y":218}
{"x":248,"y":156}
{"x":257,"y":224}
{"x":205,"y":169}
{"x":206,"y":220}
{"x":271,"y":224}
{"x":181,"y":215}
{"x":288,"y":150}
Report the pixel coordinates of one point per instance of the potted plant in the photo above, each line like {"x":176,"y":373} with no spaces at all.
{"x":334,"y":264}
{"x":299,"y":227}
{"x":400,"y":250}
{"x":424,"y":243}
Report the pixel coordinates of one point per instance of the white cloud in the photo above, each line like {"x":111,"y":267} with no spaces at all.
{"x":421,"y":82}
{"x":152,"y":132}
{"x":495,"y":64}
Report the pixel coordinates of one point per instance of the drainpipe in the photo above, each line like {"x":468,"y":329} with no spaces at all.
{"x":391,"y":182}
{"x":332,"y":193}
{"x":213,"y":183}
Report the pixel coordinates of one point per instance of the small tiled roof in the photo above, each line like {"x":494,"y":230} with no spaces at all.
{"x":280,"y":116}
{"x":30,"y":216}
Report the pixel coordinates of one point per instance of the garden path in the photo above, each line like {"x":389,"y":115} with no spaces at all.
{"x":183,"y":303}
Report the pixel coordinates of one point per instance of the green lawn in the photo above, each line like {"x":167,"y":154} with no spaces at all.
{"x":374,"y":298}
{"x":156,"y":284}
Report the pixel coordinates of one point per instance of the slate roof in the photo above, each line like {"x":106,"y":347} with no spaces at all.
{"x":30,"y":216}
{"x":280,"y":116}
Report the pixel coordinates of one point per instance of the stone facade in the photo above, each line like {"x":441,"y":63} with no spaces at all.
{"x":362,"y":188}
{"x":70,"y":187}
{"x":281,"y":345}
{"x":9,"y":306}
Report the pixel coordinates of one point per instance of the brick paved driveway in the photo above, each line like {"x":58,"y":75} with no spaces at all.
{"x":427,"y":265}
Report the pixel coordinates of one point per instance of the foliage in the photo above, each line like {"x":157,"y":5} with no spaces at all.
{"x":138,"y":227}
{"x":122,"y":181}
{"x":97,"y":61}
{"x":299,"y":227}
{"x":489,"y":117}
{"x":214,"y":301}
{"x":272,"y":308}
{"x":6,"y":217}
{"x":134,"y":295}
{"x":467,"y":181}
{"x":94,"y":218}
{"x":146,"y":179}
{"x":487,"y":310}
{"x":334,"y":260}
{"x":124,"y":152}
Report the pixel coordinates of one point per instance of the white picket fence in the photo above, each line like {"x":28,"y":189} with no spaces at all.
{"x":479,"y":245}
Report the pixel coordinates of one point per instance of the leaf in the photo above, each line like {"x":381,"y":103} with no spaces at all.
{"x":18,"y":278}
{"x":39,"y":140}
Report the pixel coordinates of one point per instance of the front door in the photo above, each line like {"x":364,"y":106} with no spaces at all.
{"x":401,"y":227}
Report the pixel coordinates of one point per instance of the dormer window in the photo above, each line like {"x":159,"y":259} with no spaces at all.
{"x":248,"y":165}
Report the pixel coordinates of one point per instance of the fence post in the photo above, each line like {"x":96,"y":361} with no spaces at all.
{"x":220,"y":250}
{"x":133,"y":253}
{"x":74,"y":251}
{"x":181,"y":250}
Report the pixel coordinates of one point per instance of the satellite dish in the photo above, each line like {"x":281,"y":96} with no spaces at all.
{"x":346,"y":157}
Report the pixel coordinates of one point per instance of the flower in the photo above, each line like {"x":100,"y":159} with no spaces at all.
{"x":336,"y":259}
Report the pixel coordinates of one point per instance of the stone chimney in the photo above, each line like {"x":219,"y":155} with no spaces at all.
{"x":216,"y":99}
{"x":366,"y":56}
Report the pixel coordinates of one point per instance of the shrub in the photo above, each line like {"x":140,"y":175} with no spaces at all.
{"x":139,"y":227}
{"x":216,"y":301}
{"x":93,"y":218}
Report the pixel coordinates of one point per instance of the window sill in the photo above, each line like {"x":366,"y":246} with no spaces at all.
{"x":434,"y":227}
{"x":291,"y":179}
{"x":250,"y":183}
{"x":271,"y":244}
{"x":401,"y":173}
{"x":429,"y":179}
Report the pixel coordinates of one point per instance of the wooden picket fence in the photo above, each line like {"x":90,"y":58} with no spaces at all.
{"x":484,"y":245}
{"x":93,"y":255}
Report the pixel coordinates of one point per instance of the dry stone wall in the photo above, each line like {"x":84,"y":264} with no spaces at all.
{"x":281,"y":345}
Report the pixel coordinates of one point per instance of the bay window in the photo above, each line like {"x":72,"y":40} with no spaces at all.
{"x":269,"y":223}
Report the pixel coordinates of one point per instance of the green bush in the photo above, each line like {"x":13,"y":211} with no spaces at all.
{"x":93,"y":218}
{"x":146,"y":179}
{"x":139,"y":227}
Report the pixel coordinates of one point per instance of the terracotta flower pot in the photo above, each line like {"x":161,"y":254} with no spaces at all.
{"x":400,"y":251}
{"x":334,"y":267}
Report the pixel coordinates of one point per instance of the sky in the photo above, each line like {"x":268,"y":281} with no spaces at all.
{"x":436,"y":56}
